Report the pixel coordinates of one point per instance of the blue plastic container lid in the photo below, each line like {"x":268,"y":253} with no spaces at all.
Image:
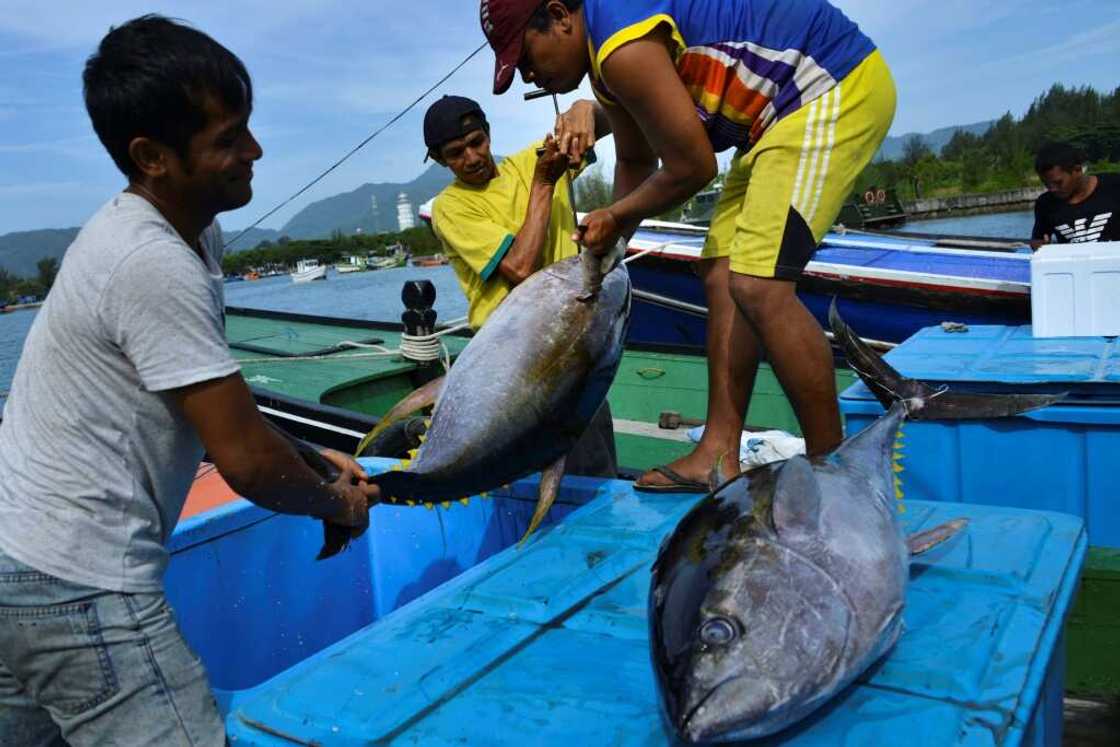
{"x":547,"y":644}
{"x":1008,"y":355}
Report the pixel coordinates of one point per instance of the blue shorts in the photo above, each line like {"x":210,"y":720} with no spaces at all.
{"x":90,"y":666}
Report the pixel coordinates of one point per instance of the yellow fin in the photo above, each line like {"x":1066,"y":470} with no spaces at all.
{"x":897,"y":467}
{"x":410,"y":502}
{"x":446,"y":504}
{"x":412,"y":454}
{"x":429,"y":506}
{"x":465,"y":501}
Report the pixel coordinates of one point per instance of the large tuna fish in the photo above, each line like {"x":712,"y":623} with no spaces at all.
{"x":520,"y":394}
{"x":785,"y":584}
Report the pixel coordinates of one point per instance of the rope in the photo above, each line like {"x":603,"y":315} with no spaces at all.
{"x":358,"y":147}
{"x":419,"y":348}
{"x":327,"y":356}
{"x":658,"y":248}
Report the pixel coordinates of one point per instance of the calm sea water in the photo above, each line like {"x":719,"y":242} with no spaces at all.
{"x":376,"y":295}
{"x":1003,"y":225}
{"x":360,"y":295}
{"x":373,"y":296}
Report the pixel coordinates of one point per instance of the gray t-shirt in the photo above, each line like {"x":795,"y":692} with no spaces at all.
{"x":95,"y":459}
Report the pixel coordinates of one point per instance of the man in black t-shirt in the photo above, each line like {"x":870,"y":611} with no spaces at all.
{"x":1077,"y":206}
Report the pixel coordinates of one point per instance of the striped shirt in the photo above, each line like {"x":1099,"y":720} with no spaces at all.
{"x":746,"y":63}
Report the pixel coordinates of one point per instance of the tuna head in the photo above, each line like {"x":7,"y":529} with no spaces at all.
{"x":747,"y":632}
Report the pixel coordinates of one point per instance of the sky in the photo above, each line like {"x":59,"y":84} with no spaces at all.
{"x":326,"y":74}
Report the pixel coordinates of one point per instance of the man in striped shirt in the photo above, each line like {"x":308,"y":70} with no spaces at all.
{"x":804,"y":98}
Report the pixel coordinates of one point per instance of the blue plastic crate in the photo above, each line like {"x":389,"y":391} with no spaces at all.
{"x":1061,"y":458}
{"x":252,"y":600}
{"x":547,"y":644}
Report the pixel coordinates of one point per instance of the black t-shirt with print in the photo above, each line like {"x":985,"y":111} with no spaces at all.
{"x":1095,"y":219}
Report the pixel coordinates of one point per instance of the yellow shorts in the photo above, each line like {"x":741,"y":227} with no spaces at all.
{"x":782,"y":196}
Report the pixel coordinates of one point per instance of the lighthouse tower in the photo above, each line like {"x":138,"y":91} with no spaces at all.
{"x":405,"y":218}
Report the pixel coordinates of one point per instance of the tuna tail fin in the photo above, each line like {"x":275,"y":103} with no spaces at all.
{"x":394,"y":487}
{"x":335,"y":536}
{"x":922,"y":401}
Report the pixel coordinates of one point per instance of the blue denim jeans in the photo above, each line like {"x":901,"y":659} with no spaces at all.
{"x":85,"y":666}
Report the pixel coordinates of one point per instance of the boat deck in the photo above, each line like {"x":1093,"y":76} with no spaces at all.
{"x":310,"y":359}
{"x":315,"y":359}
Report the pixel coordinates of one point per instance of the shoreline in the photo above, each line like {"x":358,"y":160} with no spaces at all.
{"x":20,"y":307}
{"x":981,"y":203}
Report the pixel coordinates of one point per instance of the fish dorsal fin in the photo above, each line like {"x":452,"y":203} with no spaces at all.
{"x":797,"y":496}
{"x":921,"y":542}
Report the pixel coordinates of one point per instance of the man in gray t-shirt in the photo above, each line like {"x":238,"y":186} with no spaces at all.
{"x":124,"y":380}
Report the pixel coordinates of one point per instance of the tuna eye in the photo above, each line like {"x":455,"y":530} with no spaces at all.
{"x":717,"y":631}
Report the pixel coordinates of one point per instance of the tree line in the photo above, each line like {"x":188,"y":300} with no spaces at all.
{"x":285,"y":252}
{"x":14,"y":289}
{"x":1003,"y":157}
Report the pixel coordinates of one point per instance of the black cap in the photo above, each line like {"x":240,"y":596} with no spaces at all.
{"x":450,"y":118}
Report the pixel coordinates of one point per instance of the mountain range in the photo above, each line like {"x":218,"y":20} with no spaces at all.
{"x":892,"y":147}
{"x":372,"y":208}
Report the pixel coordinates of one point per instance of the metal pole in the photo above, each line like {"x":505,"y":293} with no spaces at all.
{"x":530,"y":96}
{"x":571,"y":189}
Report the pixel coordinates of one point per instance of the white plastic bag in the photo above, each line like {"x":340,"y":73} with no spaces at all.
{"x":757,"y":448}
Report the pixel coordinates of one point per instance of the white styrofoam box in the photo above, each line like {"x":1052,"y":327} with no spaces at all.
{"x":1075,"y":290}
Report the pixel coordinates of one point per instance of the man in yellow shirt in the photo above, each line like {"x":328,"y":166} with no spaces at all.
{"x":501,"y":222}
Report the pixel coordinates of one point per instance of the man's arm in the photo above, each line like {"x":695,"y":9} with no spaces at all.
{"x":643,"y":79}
{"x":261,"y":464}
{"x":1040,"y":233}
{"x":635,"y":160}
{"x":524,"y":256}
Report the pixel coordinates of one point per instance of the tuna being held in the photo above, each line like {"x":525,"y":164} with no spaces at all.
{"x":520,"y":394}
{"x":785,"y":584}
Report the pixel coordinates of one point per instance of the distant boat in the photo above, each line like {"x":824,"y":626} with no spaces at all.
{"x":434,"y":260}
{"x":353,"y":264}
{"x":308,"y":270}
{"x":396,"y":258}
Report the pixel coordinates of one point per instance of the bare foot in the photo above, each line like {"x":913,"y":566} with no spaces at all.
{"x":695,"y":466}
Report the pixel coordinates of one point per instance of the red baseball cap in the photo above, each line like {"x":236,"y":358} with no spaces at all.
{"x":504,"y":22}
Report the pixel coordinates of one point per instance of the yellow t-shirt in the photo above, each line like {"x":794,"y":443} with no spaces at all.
{"x":477,"y":225}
